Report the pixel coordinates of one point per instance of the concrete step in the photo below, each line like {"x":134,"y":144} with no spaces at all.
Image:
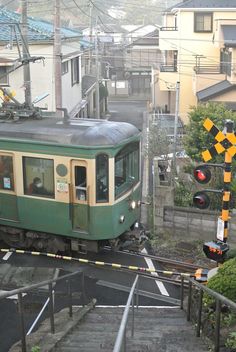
{"x":162,"y":330}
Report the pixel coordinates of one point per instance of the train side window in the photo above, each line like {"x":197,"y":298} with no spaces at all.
{"x":80,"y":183}
{"x":126,"y":168}
{"x":6,"y":173}
{"x":102,"y":185}
{"x":38,"y":177}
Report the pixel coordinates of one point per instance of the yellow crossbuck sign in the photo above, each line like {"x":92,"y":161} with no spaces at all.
{"x":225,"y":143}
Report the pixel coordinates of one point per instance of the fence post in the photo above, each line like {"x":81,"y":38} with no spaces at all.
{"x":51,"y":308}
{"x":199,"y":317}
{"x":69,"y":298}
{"x":217,"y":327}
{"x":182,"y":293}
{"x":22,"y":322}
{"x":189,"y":300}
{"x":132,"y":331}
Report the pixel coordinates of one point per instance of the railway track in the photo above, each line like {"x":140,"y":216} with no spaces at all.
{"x":165,"y":262}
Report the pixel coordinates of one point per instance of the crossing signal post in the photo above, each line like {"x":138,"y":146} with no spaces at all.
{"x":225,"y":143}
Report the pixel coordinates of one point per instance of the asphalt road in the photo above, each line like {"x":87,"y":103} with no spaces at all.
{"x":128,"y":111}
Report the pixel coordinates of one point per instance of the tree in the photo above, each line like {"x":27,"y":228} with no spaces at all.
{"x":197,"y":138}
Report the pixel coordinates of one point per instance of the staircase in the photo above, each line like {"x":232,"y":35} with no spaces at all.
{"x":156,"y":330}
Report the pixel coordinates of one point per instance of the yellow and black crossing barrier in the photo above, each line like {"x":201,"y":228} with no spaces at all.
{"x":199,"y":275}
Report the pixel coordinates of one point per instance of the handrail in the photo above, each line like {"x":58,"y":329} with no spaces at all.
{"x":50,"y":301}
{"x":122,"y":330}
{"x":40,"y":284}
{"x":219,"y":300}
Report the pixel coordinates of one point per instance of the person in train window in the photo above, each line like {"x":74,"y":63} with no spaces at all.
{"x":36,"y":187}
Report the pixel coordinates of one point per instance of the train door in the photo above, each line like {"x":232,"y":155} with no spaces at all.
{"x":79,"y":195}
{"x":8,"y":198}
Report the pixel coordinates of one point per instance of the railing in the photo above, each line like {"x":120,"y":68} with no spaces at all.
{"x":121,"y":337}
{"x":50,"y":301}
{"x":219,"y":299}
{"x":168,"y":68}
{"x":120,"y":343}
{"x":169,"y":28}
{"x":208,"y":69}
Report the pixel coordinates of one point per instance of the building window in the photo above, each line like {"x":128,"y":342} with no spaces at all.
{"x":38,"y":177}
{"x":102,"y":186}
{"x":75,"y":74}
{"x":4,"y":75}
{"x":6,"y":173}
{"x":203,"y":22}
{"x":126,"y":169}
{"x":64,"y":67}
{"x":225,"y":62}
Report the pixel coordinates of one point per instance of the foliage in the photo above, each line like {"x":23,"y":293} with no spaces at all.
{"x":35,"y":349}
{"x":157,"y":143}
{"x":224,"y":282}
{"x":197,"y":138}
{"x":231,"y":340}
{"x":183,"y":195}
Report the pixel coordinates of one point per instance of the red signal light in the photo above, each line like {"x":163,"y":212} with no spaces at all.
{"x":201,"y":200}
{"x":202,"y":174}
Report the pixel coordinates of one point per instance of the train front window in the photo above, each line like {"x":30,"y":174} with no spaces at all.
{"x":126,"y":168}
{"x":6,"y":173}
{"x":38,"y":177}
{"x":102,"y":178}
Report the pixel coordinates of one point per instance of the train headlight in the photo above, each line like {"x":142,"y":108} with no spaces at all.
{"x":139,"y":203}
{"x":122,"y":219}
{"x":133,"y":204}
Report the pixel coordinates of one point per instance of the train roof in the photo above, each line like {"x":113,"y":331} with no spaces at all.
{"x":79,"y":132}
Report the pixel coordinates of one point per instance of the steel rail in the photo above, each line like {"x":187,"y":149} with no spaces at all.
{"x":163,"y":260}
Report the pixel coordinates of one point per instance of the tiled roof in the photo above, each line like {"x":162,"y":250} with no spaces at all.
{"x":215,"y":90}
{"x":38,"y":30}
{"x":211,"y":4}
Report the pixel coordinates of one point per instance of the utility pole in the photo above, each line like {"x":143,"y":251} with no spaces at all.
{"x":175,"y":130}
{"x":25,"y":53}
{"x":90,"y":36}
{"x":57,"y":55}
{"x":97,"y":76}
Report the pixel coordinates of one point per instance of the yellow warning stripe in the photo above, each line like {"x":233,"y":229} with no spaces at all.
{"x":87,"y":261}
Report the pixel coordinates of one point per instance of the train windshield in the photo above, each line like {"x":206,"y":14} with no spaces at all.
{"x":126,"y":168}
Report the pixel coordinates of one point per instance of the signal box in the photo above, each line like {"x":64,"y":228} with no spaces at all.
{"x":216,"y":250}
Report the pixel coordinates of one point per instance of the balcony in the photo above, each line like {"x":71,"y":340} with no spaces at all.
{"x":208,"y":69}
{"x":168,"y":29}
{"x":168,"y":68}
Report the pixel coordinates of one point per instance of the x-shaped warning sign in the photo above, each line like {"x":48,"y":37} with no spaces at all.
{"x":224,"y":142}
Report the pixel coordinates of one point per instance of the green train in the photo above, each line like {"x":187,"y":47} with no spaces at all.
{"x":69,"y":184}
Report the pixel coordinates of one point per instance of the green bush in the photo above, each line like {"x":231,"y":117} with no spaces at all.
{"x":224,"y":282}
{"x":231,"y":340}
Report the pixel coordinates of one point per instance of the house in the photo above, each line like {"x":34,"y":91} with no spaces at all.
{"x":198,"y":48}
{"x":41,"y":43}
{"x":140,"y":56}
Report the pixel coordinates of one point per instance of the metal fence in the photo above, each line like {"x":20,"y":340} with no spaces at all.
{"x":50,"y":301}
